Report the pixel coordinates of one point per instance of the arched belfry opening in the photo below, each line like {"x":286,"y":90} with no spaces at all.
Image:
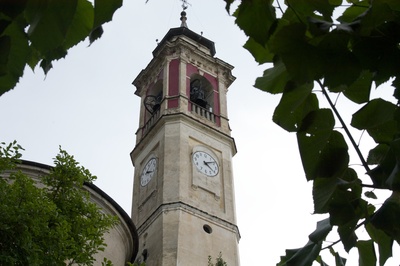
{"x":154,"y":97}
{"x":201,"y":92}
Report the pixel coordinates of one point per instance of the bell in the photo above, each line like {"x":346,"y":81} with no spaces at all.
{"x":197,"y":94}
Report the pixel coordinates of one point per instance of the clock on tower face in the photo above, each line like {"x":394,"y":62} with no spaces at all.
{"x":205,"y":163}
{"x":148,"y":172}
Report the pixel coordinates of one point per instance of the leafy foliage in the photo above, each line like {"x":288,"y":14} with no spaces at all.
{"x":344,"y":49}
{"x":40,"y":31}
{"x":136,"y":264}
{"x":219,"y":261}
{"x":49,"y":221}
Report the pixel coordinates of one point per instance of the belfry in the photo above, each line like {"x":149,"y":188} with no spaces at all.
{"x":183,"y":196}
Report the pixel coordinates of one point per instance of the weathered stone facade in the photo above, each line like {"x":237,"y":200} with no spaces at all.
{"x":182,"y":214}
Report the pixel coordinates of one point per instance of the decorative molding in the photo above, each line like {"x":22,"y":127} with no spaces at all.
{"x":181,"y":206}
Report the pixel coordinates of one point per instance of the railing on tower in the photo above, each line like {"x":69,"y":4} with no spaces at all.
{"x":209,"y":115}
{"x":197,"y":109}
{"x":153,"y":119}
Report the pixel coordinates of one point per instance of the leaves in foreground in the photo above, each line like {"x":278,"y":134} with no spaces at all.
{"x":36,"y":32}
{"x":320,"y":50}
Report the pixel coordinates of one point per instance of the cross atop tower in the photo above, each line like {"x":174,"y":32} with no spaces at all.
{"x":185,"y":4}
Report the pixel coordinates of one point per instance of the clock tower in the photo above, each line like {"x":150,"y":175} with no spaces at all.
{"x":183,"y":196}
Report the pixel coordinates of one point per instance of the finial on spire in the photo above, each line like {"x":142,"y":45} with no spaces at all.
{"x":183,"y":19}
{"x":185,"y":5}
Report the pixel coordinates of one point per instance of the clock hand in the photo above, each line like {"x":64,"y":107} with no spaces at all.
{"x":148,"y":172}
{"x":206,"y":163}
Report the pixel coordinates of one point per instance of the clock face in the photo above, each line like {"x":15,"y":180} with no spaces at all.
{"x":205,"y":163}
{"x":148,"y":172}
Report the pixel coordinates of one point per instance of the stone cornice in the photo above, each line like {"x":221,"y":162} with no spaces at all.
{"x":182,"y":117}
{"x":181,"y":206}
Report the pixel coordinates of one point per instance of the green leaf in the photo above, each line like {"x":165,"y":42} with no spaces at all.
{"x":306,"y":8}
{"x":303,"y":61}
{"x":354,"y":12}
{"x":228,"y":5}
{"x":320,"y":121}
{"x":370,"y":194}
{"x":339,"y":261}
{"x":387,"y":217}
{"x":347,"y":206}
{"x":274,"y":79}
{"x":260,"y":53}
{"x":256,"y":12}
{"x":12,"y":10}
{"x":347,"y":231}
{"x":46,"y":66}
{"x":81,"y":25}
{"x":296,"y":102}
{"x":104,"y":11}
{"x":335,"y":2}
{"x":378,"y":13}
{"x":342,"y":200}
{"x":377,"y":154}
{"x":323,"y":229}
{"x":324,"y":152}
{"x":367,"y":254}
{"x":95,"y":34}
{"x":15,"y":56}
{"x":385,"y":243}
{"x":377,"y":117}
{"x":321,"y":262}
{"x":49,"y":23}
{"x":301,"y":257}
{"x":324,"y":190}
{"x":335,"y":47}
{"x":347,"y":63}
{"x":5,"y":47}
{"x":378,"y":52}
{"x":385,"y":175}
{"x":396,"y":85}
{"x":393,"y":181}
{"x":359,"y":91}
{"x":33,"y":58}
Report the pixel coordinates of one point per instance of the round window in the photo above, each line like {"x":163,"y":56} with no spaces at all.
{"x":207,"y":229}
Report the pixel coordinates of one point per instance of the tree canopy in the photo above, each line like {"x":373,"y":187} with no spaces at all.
{"x":343,"y":49}
{"x":49,"y":221}
{"x":36,"y":32}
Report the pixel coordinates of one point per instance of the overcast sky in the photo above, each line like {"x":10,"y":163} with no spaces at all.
{"x":87,"y":105}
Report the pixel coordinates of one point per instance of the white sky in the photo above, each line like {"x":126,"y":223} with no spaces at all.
{"x":87,"y":105}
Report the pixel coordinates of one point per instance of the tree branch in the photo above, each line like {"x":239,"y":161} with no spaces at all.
{"x":337,"y":241}
{"x":364,"y":163}
{"x":371,"y":186}
{"x":279,"y":6}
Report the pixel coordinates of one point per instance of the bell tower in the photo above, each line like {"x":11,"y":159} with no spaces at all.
{"x":183,"y":196}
